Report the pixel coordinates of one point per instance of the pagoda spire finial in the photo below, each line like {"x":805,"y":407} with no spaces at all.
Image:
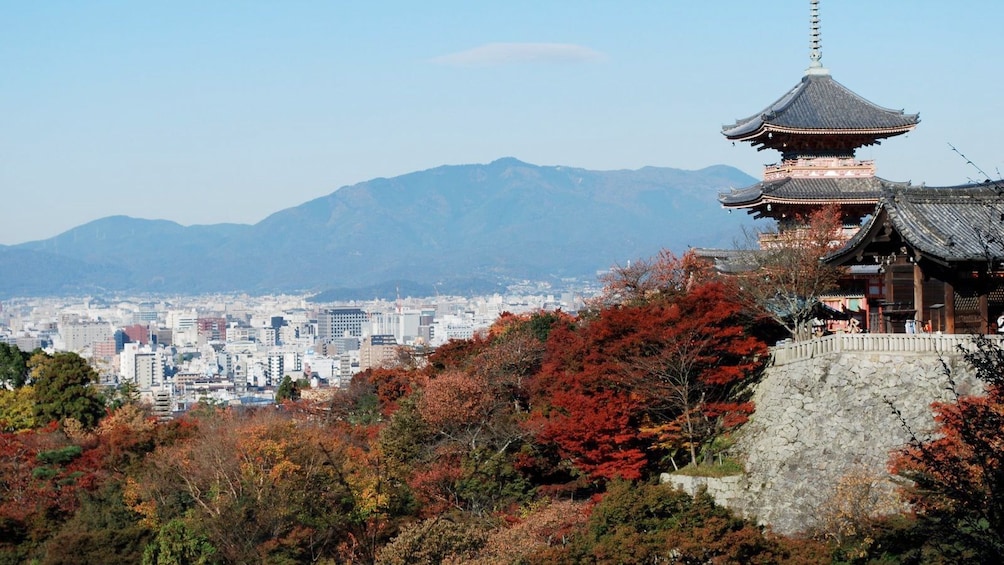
{"x":815,"y":43}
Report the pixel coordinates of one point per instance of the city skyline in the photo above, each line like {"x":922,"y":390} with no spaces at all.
{"x":226,"y":113}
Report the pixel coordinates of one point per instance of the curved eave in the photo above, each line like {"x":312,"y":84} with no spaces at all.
{"x":818,"y":104}
{"x":767,"y":129}
{"x":936,"y":224}
{"x":817,"y":201}
{"x":865,"y":233}
{"x":935,"y":240}
{"x":799,"y":202}
{"x":884,"y":217}
{"x":807,"y":191}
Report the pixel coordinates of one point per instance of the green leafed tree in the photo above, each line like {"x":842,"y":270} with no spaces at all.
{"x":64,"y":388}
{"x":288,"y":390}
{"x":176,"y":544}
{"x":13,"y":366}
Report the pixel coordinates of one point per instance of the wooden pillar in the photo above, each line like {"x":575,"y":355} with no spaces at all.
{"x":918,"y":294}
{"x":949,"y":308}
{"x":984,"y":313}
{"x":890,"y":297}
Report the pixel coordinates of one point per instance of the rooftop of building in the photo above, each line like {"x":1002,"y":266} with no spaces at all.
{"x":953,"y":224}
{"x":819,"y":105}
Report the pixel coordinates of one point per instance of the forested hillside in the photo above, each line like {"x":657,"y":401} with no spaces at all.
{"x":538,"y":442}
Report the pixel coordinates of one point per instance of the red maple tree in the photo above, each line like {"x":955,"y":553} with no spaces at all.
{"x":957,"y":475}
{"x":658,"y":373}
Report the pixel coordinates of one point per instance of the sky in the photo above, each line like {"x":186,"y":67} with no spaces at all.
{"x":205,"y":112}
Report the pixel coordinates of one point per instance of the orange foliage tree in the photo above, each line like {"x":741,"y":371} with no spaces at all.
{"x":957,"y":476}
{"x":586,"y":406}
{"x":785,"y":276}
{"x":647,"y":280}
{"x":696,"y":351}
{"x":464,"y":424}
{"x":260,"y":486}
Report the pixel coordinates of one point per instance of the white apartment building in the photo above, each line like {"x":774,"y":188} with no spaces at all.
{"x":458,"y":327}
{"x":142,"y":365}
{"x":77,"y":336}
{"x":404,"y":326}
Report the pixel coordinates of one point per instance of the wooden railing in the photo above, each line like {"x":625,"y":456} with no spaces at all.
{"x":791,"y":351}
{"x":820,"y":167}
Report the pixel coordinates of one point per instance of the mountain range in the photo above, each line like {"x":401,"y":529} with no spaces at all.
{"x":451,"y":229}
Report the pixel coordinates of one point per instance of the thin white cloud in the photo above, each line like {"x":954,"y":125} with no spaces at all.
{"x":494,"y":54}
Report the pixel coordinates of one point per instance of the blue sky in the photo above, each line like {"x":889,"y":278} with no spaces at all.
{"x":208,"y":112}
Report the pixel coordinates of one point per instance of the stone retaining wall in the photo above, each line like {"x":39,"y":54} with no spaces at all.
{"x":819,"y":419}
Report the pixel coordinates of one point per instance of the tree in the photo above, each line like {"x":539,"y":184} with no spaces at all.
{"x":17,"y":409}
{"x":13,"y":366}
{"x":451,"y":538}
{"x":473,"y":417}
{"x":646,"y":523}
{"x":42,"y":478}
{"x":258,"y":486}
{"x":123,"y":394}
{"x":64,"y":388}
{"x":658,"y":371}
{"x":694,"y":353}
{"x":101,"y":530}
{"x":957,"y":476}
{"x":175,"y":544}
{"x":540,"y":533}
{"x":785,"y":276}
{"x":585,"y":406}
{"x":647,"y":280}
{"x":458,"y":428}
{"x":288,"y":390}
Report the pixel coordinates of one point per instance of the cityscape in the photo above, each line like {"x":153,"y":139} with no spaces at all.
{"x":235,"y":350}
{"x":498,"y":361}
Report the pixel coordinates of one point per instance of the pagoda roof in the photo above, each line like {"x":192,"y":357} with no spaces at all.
{"x":820,"y":105}
{"x":946,"y":225}
{"x":807,"y":190}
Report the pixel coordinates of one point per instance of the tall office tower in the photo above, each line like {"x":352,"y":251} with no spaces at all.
{"x":340,"y":322}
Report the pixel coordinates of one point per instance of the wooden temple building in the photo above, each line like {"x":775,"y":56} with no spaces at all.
{"x":918,"y":258}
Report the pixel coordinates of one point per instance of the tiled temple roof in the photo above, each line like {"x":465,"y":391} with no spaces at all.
{"x":808,"y":190}
{"x":820,"y":105}
{"x":945,"y":224}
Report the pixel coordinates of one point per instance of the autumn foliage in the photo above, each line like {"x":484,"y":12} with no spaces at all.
{"x":782,"y":273}
{"x":957,"y":476}
{"x":642,"y":379}
{"x":513,"y":446}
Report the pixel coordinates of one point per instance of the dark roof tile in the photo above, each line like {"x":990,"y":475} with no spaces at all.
{"x":806,"y":188}
{"x":948,"y":224}
{"x":820,"y":103}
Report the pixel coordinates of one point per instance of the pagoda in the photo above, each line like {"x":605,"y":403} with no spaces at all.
{"x":925,"y":258}
{"x":816,"y":126}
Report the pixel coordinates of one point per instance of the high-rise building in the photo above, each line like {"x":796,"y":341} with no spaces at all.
{"x":376,"y":351}
{"x":276,"y":366}
{"x":212,"y":329}
{"x":142,"y":365}
{"x":79,"y":335}
{"x":340,"y":322}
{"x":162,"y":404}
{"x":138,"y":333}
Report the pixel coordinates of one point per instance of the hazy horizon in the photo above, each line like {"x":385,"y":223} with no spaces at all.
{"x":225,"y":113}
